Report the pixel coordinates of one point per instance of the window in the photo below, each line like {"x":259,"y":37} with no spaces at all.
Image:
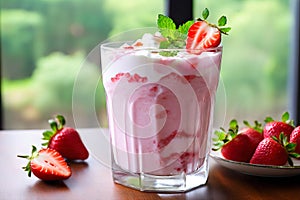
{"x":45,"y":43}
{"x":255,"y":72}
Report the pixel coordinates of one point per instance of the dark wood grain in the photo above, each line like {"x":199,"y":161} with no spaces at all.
{"x":92,"y":179}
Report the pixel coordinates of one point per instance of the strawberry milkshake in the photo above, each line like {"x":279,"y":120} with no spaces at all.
{"x":160,"y":111}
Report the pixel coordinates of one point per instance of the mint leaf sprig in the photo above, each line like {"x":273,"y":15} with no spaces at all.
{"x":174,"y":38}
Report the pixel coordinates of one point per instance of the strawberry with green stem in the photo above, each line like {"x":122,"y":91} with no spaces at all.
{"x":274,"y":128}
{"x":238,"y":145}
{"x":295,"y":138}
{"x":274,"y":151}
{"x":47,"y":164}
{"x":65,"y":140}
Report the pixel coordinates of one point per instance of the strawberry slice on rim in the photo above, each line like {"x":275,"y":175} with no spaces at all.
{"x":202,"y":35}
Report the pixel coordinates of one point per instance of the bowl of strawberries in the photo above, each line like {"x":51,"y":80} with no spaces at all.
{"x":272,"y":149}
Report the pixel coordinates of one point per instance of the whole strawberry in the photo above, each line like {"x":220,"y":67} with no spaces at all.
{"x":274,"y":128}
{"x":254,"y":133}
{"x":274,"y":151}
{"x":295,"y":138}
{"x":65,"y":140}
{"x":238,"y":146}
{"x":47,"y":164}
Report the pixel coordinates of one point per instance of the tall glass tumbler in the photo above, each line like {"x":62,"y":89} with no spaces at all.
{"x":160,"y":110}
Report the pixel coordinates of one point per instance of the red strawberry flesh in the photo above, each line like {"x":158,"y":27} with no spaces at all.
{"x":202,"y":36}
{"x":47,"y":164}
{"x":50,"y":165}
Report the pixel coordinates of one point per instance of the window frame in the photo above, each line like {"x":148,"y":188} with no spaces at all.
{"x":294,"y":75}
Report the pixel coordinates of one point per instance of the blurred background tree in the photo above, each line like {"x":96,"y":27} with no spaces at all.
{"x":45,"y":44}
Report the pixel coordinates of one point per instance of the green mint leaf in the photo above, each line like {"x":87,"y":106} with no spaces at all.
{"x":178,"y":44}
{"x":164,"y":22}
{"x":222,"y":21}
{"x":205,"y":13}
{"x":185,"y":27}
{"x":164,"y":44}
{"x":168,"y":53}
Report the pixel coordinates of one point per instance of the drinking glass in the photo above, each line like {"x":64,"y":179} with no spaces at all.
{"x":160,"y":112}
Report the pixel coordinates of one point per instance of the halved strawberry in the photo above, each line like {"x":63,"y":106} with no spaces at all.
{"x":47,"y":164}
{"x":204,"y":35}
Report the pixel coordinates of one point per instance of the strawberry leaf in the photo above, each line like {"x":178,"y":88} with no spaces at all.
{"x":34,"y":154}
{"x":61,"y":121}
{"x":275,"y":138}
{"x":53,"y":125}
{"x":222,"y":21}
{"x":221,"y":135}
{"x":290,"y":162}
{"x":217,"y":145}
{"x":290,"y":147}
{"x":268,"y":119}
{"x":47,"y":135}
{"x":205,"y":13}
{"x":257,"y":126}
{"x":233,"y":124}
{"x":294,"y":155}
{"x":225,"y":30}
{"x":285,"y":116}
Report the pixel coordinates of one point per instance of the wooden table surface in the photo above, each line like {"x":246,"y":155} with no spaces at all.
{"x":92,"y":179}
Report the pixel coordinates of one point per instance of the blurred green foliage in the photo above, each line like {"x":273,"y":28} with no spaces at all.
{"x":45,"y":44}
{"x":255,"y":61}
{"x":20,"y":42}
{"x":31,"y":29}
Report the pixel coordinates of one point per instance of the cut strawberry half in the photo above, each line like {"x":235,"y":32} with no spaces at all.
{"x":47,"y":164}
{"x":202,"y":35}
